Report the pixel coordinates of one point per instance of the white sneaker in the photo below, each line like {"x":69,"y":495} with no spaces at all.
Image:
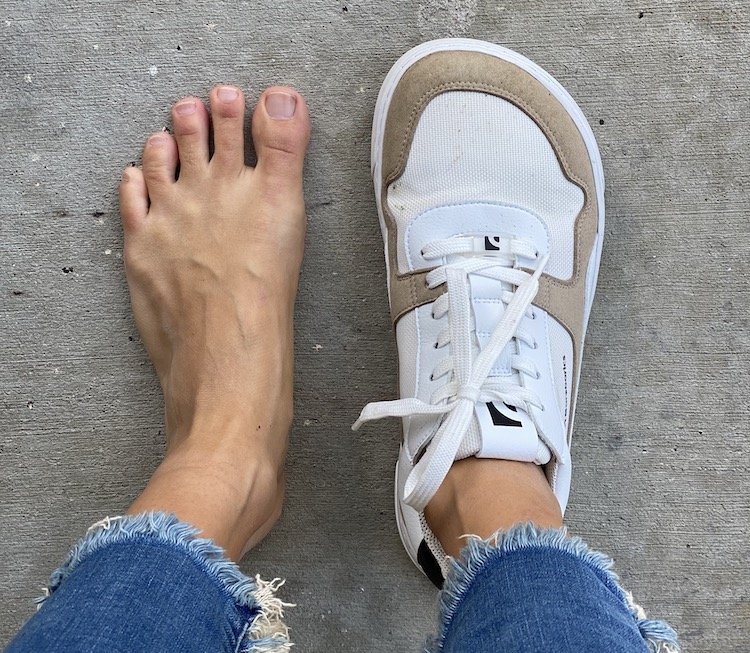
{"x":490,"y":192}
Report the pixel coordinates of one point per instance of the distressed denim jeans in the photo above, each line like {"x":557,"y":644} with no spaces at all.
{"x":147,"y":583}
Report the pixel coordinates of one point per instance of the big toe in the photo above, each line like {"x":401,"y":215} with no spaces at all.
{"x":281,"y":132}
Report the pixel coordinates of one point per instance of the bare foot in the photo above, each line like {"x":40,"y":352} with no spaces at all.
{"x":482,"y":495}
{"x":212,"y":261}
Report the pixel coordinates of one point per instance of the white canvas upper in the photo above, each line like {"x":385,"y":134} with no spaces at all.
{"x":475,"y":147}
{"x":484,"y":205}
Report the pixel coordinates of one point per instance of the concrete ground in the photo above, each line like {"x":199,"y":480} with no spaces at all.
{"x":662,"y":430}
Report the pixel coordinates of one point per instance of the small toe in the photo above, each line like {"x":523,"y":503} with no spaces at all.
{"x":159,"y":163}
{"x":227,"y":118}
{"x":281,"y":132}
{"x":190,"y":121}
{"x":133,"y":198}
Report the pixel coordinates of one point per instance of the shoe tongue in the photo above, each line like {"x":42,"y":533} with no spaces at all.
{"x":505,"y":431}
{"x":488,"y":308}
{"x":509,"y":433}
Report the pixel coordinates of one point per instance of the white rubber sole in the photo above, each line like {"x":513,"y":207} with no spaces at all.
{"x":378,"y":131}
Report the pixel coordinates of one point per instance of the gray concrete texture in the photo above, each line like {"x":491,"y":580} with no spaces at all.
{"x":661,"y":443}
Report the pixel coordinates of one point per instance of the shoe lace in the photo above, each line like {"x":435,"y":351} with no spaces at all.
{"x":470,"y":380}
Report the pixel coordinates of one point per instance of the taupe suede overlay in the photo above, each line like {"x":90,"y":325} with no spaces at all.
{"x":473,"y":71}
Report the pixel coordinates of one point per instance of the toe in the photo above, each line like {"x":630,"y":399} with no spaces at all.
{"x":159,"y":163}
{"x":133,"y":198}
{"x":190,"y":120}
{"x":227,"y":117}
{"x":281,"y":131}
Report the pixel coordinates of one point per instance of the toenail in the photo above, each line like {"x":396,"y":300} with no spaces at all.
{"x":185,"y":108}
{"x":157,"y":140}
{"x":227,"y":93}
{"x":281,"y":106}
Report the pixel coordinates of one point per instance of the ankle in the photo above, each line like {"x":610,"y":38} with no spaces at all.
{"x":481,"y":496}
{"x":233,"y":500}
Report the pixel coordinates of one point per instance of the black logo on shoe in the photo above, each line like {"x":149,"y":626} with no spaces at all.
{"x":498,"y":419}
{"x":491,"y":243}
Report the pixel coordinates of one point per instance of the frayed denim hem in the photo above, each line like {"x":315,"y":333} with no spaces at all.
{"x":266,"y":631}
{"x":658,"y":635}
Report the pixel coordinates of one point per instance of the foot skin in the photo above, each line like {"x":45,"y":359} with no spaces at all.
{"x":212,"y":260}
{"x":482,"y":495}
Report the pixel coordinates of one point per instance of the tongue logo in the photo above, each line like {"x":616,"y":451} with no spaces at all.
{"x":500,"y":419}
{"x":491,"y":243}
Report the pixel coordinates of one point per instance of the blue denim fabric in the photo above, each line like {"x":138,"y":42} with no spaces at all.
{"x":146,"y":583}
{"x":529,"y":590}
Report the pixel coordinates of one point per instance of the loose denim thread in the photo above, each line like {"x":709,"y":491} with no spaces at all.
{"x":658,"y":635}
{"x":265,"y":633}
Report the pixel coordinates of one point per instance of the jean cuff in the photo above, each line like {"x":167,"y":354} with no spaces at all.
{"x":658,"y":635}
{"x":264,"y":633}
